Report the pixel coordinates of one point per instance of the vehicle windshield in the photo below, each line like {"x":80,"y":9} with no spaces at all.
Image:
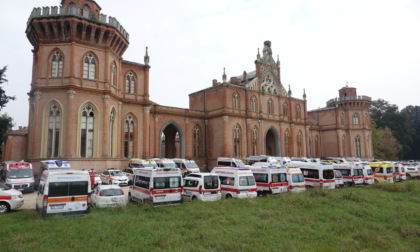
{"x":358,"y":172}
{"x":246,"y":180}
{"x":191,"y":165}
{"x":116,"y":173}
{"x":369,"y":171}
{"x":112,"y":192}
{"x":19,"y":173}
{"x":239,"y":164}
{"x":328,"y":174}
{"x":4,"y":187}
{"x":338,"y":174}
{"x":298,"y":178}
{"x":211,"y":182}
{"x":135,"y":165}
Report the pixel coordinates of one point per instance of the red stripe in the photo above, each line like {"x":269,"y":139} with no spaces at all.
{"x":194,"y":190}
{"x":5,"y":197}
{"x":238,"y":190}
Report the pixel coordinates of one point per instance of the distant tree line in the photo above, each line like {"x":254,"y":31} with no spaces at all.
{"x":395,"y":134}
{"x":6,"y":122}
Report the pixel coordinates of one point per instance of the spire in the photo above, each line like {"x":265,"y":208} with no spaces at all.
{"x":289,"y":92}
{"x":278,"y":61}
{"x":258,"y":55}
{"x":224,"y":76}
{"x":304,"y":95}
{"x":146,"y":58}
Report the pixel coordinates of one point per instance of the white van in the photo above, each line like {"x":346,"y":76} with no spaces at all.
{"x":316,"y":174}
{"x":63,"y":192}
{"x":400,"y":173}
{"x":295,"y":179}
{"x":231,"y":162}
{"x":158,"y":185}
{"x":412,"y":169}
{"x":164,"y":162}
{"x":262,"y":158}
{"x":142,"y":163}
{"x":236,"y":182}
{"x":339,"y":181}
{"x":186,"y":165}
{"x":269,"y":179}
{"x":352,"y":174}
{"x":202,"y":186}
{"x":50,"y":165}
{"x":18,"y":175}
{"x":383,"y":172}
{"x":368,"y":177}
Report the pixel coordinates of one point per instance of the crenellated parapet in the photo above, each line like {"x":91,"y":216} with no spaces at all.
{"x":347,"y":101}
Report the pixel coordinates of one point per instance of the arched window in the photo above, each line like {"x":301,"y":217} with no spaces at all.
{"x":285,"y":109}
{"x":235,"y":101}
{"x":197,"y":138}
{"x":270,"y":107}
{"x":358,"y":146}
{"x":87,"y":128}
{"x":56,"y":64}
{"x":254,"y":141}
{"x":253,"y":104}
{"x":111,"y":133}
{"x":54,"y":125}
{"x":286,"y":143}
{"x":298,"y":113}
{"x":113,"y":74}
{"x":356,"y":119}
{"x":129,"y":137}
{"x":299,"y":144}
{"x":89,"y":67}
{"x":130,"y":81}
{"x":86,"y":11}
{"x":236,"y":142}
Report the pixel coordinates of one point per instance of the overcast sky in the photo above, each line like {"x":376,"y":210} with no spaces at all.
{"x":322,"y":45}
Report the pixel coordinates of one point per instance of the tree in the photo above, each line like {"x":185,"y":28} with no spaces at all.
{"x":388,"y":146}
{"x":4,"y":99}
{"x":6,"y":124}
{"x":413,"y":113}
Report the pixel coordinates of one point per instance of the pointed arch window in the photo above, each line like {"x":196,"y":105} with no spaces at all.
{"x":56,"y":64}
{"x":254,"y":141}
{"x":113,"y":74}
{"x":236,"y":142}
{"x":130,"y":81}
{"x":298,"y":112}
{"x":54,"y":125}
{"x":235,"y":101}
{"x":87,"y":130}
{"x":285,"y":109}
{"x":89,"y":67}
{"x":356,"y":119}
{"x":270,"y":107}
{"x":197,"y":139}
{"x":286,"y":143}
{"x":111,"y":133}
{"x":129,"y":137}
{"x":299,"y":144}
{"x":253,"y":104}
{"x":357,"y":144}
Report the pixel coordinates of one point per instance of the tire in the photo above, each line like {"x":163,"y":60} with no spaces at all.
{"x":4,"y":208}
{"x":194,"y":198}
{"x":228,"y":196}
{"x":130,"y":199}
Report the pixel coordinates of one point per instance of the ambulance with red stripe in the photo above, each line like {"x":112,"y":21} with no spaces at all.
{"x":270,"y":179}
{"x":10,"y":199}
{"x":400,"y":174}
{"x":236,"y":182}
{"x":160,"y":186}
{"x":295,"y":179}
{"x":18,"y":175}
{"x":316,"y":174}
{"x":352,"y":173}
{"x":368,"y":177}
{"x":63,"y":192}
{"x":383,"y":172}
{"x":202,"y":186}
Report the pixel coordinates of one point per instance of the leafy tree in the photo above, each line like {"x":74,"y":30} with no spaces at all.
{"x":376,"y":137}
{"x":6,"y":123}
{"x":388,"y":146}
{"x":413,"y":113}
{"x":4,"y":99}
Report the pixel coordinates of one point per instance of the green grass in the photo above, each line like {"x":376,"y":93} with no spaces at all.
{"x":383,"y":217}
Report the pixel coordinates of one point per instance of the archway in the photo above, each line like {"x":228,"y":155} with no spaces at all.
{"x":272,"y":146}
{"x":171,"y":142}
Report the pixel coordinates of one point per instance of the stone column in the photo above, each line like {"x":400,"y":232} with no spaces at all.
{"x":281,"y":133}
{"x":188,"y":140}
{"x":71,"y":131}
{"x":37,"y":124}
{"x":339,"y":144}
{"x":105,"y":126}
{"x":306,"y":137}
{"x":146,"y":83}
{"x":262,"y":138}
{"x":146,"y":132}
{"x":120,"y":134}
{"x":225,"y":136}
{"x":157,"y":139}
{"x":292,"y":140}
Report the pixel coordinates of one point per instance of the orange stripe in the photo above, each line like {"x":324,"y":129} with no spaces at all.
{"x":67,"y":199}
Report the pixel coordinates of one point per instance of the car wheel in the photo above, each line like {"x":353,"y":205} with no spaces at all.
{"x":130,"y":198}
{"x":228,"y":196}
{"x":4,"y":208}
{"x":194,"y":198}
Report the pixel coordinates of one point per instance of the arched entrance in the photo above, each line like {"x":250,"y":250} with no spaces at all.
{"x":272,"y":146}
{"x":171,"y":142}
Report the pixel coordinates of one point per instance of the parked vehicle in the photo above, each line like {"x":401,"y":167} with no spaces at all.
{"x":295,"y":179}
{"x":142,"y":163}
{"x":202,"y":186}
{"x":316,"y":174}
{"x":368,"y":177}
{"x":269,"y":179}
{"x":383,"y":172}
{"x":158,"y":185}
{"x":236,"y":182}
{"x":18,"y":175}
{"x":63,"y":192}
{"x":164,"y":163}
{"x":412,"y":169}
{"x":339,"y":181}
{"x":231,"y":162}
{"x":186,"y":165}
{"x":108,"y":196}
{"x":129,"y":173}
{"x":10,"y":199}
{"x":400,"y":173}
{"x":113,"y":176}
{"x":352,"y":174}
{"x":50,"y":165}
{"x":262,"y":158}
{"x":98,"y":180}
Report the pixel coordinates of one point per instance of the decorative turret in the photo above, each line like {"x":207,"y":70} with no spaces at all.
{"x":289,"y":92}
{"x":304,"y":95}
{"x":267,"y":58}
{"x":146,"y":58}
{"x":258,"y":55}
{"x":278,"y":61}
{"x":224,"y":76}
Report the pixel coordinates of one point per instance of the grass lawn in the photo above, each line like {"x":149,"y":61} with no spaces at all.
{"x":383,"y":217}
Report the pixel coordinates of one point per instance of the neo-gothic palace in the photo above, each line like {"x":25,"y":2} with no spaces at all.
{"x":90,"y":106}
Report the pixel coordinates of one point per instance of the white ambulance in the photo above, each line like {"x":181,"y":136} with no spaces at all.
{"x":63,"y":192}
{"x":50,"y":165}
{"x":316,"y":174}
{"x":142,"y":163}
{"x":10,"y":199}
{"x":164,"y":163}
{"x":412,"y":169}
{"x":202,"y":186}
{"x":270,"y":179}
{"x":295,"y":179}
{"x":231,"y":162}
{"x":18,"y":175}
{"x":383,"y":172}
{"x":236,"y":182}
{"x":368,"y":177}
{"x":157,"y":185}
{"x":352,"y":174}
{"x":400,"y":174}
{"x":186,"y":165}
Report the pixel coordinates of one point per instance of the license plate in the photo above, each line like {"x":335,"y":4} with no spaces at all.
{"x":276,"y":190}
{"x":207,"y":192}
{"x":115,"y":200}
{"x":57,"y":206}
{"x":160,"y":197}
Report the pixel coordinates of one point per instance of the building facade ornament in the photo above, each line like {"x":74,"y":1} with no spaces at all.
{"x":71,"y":94}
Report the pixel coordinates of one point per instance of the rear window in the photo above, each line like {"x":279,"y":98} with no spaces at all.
{"x":388,"y":170}
{"x":297,"y":178}
{"x":310,"y":173}
{"x":112,"y":192}
{"x":227,"y":181}
{"x":328,"y":174}
{"x":246,"y":180}
{"x":190,"y":183}
{"x":358,"y":172}
{"x":279,"y":177}
{"x":345,"y":172}
{"x":211,"y":182}
{"x":59,"y":189}
{"x":166,"y":182}
{"x":338,"y":174}
{"x":261,"y":177}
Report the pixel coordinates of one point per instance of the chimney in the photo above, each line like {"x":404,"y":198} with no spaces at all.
{"x":214,"y":82}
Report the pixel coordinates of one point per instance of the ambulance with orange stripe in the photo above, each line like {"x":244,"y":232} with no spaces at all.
{"x":316,"y":174}
{"x":400,"y":174}
{"x":270,"y":179}
{"x":160,"y":186}
{"x":236,"y":182}
{"x":295,"y":179}
{"x":383,"y":172}
{"x":63,"y":192}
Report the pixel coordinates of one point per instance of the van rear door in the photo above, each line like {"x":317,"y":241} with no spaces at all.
{"x":67,"y":197}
